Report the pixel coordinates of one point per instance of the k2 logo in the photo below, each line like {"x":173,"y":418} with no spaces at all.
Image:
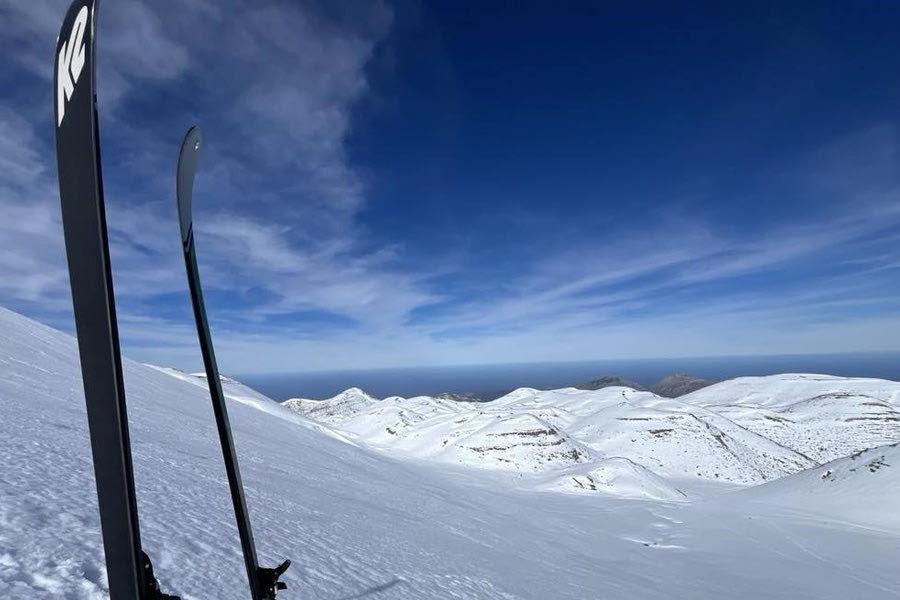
{"x":70,"y":63}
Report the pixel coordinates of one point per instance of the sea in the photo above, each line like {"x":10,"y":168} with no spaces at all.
{"x":487,"y":382}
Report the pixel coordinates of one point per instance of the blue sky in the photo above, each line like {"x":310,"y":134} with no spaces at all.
{"x":402,"y":184}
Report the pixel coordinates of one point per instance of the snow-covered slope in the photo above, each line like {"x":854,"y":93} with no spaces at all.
{"x":820,"y":416}
{"x":781,"y":390}
{"x":745,"y":431}
{"x":861,"y":488}
{"x":237,"y":391}
{"x":547,"y":431}
{"x":339,"y":408}
{"x":617,"y":477}
{"x":358,"y":524}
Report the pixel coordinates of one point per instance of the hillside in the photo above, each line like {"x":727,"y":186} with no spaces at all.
{"x":610,"y":381}
{"x":679,"y":384}
{"x":671,"y":386}
{"x":535,"y":431}
{"x":861,"y":488}
{"x":820,"y":416}
{"x":360,"y":524}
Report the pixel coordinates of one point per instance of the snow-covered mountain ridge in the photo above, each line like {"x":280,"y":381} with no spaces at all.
{"x":358,"y":524}
{"x":744,"y":431}
{"x":822,"y":416}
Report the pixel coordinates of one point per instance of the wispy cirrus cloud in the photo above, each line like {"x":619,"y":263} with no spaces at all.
{"x":32,"y":268}
{"x":298,"y":278}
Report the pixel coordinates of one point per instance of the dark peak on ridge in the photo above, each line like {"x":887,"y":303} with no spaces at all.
{"x":459,"y":397}
{"x":610,"y":381}
{"x":672,"y":386}
{"x":679,"y":384}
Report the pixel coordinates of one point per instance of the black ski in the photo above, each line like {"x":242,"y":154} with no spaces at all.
{"x":264,"y":582}
{"x":84,"y":225}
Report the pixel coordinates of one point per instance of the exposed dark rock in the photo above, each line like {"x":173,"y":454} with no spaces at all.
{"x":459,"y":397}
{"x":610,"y":381}
{"x":677,"y":385}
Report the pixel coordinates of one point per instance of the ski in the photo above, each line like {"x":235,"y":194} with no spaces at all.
{"x":129,"y":571}
{"x":264,"y":583}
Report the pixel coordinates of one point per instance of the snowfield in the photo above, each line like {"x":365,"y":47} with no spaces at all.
{"x":366,"y":513}
{"x":860,"y":489}
{"x":823,"y":417}
{"x":746,"y":431}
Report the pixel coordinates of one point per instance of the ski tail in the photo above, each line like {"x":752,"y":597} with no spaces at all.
{"x":264,"y":583}
{"x":87,"y":253}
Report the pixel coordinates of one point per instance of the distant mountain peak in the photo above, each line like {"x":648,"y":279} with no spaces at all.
{"x":679,"y":384}
{"x":673,"y":386}
{"x":610,"y":381}
{"x":459,"y":397}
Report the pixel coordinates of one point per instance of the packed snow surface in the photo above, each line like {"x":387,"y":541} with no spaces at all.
{"x":861,"y":488}
{"x":363,"y":519}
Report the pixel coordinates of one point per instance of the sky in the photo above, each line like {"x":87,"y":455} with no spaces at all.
{"x":389,"y":184}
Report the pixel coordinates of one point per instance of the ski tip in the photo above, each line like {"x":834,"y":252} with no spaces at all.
{"x":192,"y":138}
{"x":184,"y":178}
{"x":76,"y":32}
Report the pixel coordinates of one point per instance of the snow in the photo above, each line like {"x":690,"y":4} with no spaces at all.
{"x":531,"y":431}
{"x":788,"y":388}
{"x":361,"y":522}
{"x":860,"y":488}
{"x":346,"y":404}
{"x":616,"y":477}
{"x":820,"y":416}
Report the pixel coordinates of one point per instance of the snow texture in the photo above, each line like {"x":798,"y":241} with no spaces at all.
{"x":361,"y":523}
{"x":531,"y":431}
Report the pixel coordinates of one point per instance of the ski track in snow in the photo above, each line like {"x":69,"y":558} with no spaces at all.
{"x":358,"y":524}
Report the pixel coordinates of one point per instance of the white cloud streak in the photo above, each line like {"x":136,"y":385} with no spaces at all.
{"x":276,"y":92}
